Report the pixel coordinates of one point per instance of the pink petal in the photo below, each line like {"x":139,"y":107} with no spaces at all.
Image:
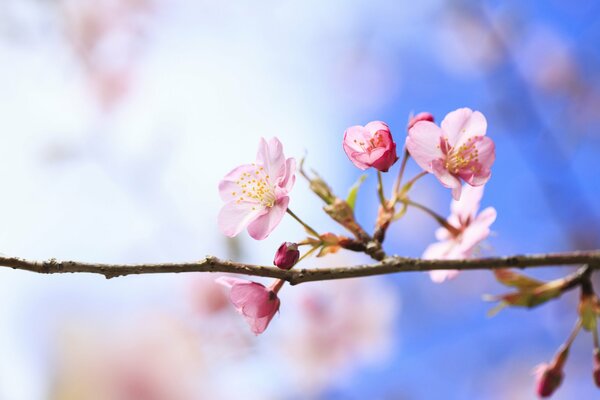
{"x":466,"y":208}
{"x":258,"y":325}
{"x":423,"y":143}
{"x":446,"y":178}
{"x":475,"y":126}
{"x":440,"y":276}
{"x":260,"y":228}
{"x":375,"y":126}
{"x":367,"y":158}
{"x":289,"y":178}
{"x":252,"y":299}
{"x":387,"y":159}
{"x":234,"y":216}
{"x":353,"y":136}
{"x":229,"y":281}
{"x":461,"y":124}
{"x":487,"y":155}
{"x":228,"y":184}
{"x":439,"y":250}
{"x":270,"y":156}
{"x":478,"y":230}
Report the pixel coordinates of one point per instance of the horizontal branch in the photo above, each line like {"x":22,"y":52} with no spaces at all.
{"x":389,"y":265}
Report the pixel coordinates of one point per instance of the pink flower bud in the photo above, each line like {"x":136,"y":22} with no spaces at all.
{"x":287,"y":255}
{"x":371,"y":145}
{"x":597,"y":368}
{"x":424,"y":116}
{"x":549,"y":378}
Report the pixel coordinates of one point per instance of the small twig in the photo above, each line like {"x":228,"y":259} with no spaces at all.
{"x":389,"y":265}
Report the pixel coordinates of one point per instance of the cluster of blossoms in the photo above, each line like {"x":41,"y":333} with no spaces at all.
{"x":457,"y":152}
{"x":256,"y":198}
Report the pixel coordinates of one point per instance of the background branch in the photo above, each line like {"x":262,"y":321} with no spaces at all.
{"x":389,"y":265}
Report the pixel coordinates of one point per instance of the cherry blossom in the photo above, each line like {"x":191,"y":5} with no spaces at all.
{"x":469,"y":229}
{"x":256,"y":195}
{"x":371,"y":145}
{"x":458,"y":150}
{"x":257,"y":303}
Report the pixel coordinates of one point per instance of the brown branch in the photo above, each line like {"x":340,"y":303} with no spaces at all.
{"x":389,"y":265}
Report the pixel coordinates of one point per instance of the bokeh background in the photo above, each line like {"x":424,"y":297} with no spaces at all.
{"x":118,"y":118}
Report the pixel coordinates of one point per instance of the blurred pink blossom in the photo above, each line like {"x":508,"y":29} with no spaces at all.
{"x":340,"y":327}
{"x":256,"y":195}
{"x":470,"y":229}
{"x":150,"y":359}
{"x":457,"y":150}
{"x":371,"y":145}
{"x":257,"y":303}
{"x":105,"y":36}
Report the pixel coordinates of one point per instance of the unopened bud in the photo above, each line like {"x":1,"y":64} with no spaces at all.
{"x":597,"y":367}
{"x":424,"y":116}
{"x":549,"y":379}
{"x":287,"y":255}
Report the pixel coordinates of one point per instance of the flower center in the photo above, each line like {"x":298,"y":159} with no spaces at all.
{"x":255,"y":187}
{"x":372,"y":143}
{"x":464,"y":157}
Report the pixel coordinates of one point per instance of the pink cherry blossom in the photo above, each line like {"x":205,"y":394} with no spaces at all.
{"x":257,"y":303}
{"x":256,"y":195}
{"x":469,"y":230}
{"x":371,"y":145}
{"x":457,"y":150}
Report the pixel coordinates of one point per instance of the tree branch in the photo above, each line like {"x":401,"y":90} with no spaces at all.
{"x":389,"y":265}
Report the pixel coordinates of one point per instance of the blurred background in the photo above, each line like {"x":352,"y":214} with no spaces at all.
{"x":119,"y":117}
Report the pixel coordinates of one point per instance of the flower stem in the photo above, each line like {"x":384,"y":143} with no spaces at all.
{"x":441,"y":220}
{"x":276,"y":285}
{"x":380,"y":189}
{"x":574,"y":333}
{"x":304,"y":224}
{"x":405,"y":158}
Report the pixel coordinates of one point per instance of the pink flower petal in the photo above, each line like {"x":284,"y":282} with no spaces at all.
{"x":466,"y":208}
{"x":461,"y":124}
{"x":270,"y":156}
{"x":474,"y":126}
{"x":289,"y":178}
{"x":234,"y":216}
{"x":440,"y":276}
{"x":375,"y":126}
{"x":446,"y":178}
{"x":252,"y":299}
{"x":262,"y":226}
{"x":478,"y":230}
{"x":487,"y":155}
{"x":228,"y":185}
{"x":229,"y":281}
{"x":423,"y":144}
{"x":259,"y":325}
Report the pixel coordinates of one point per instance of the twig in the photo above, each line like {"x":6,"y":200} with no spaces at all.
{"x":389,"y":265}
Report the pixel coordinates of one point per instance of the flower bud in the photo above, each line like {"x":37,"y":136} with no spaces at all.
{"x":287,"y":255}
{"x":424,"y":116}
{"x":549,"y":379}
{"x":597,"y":367}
